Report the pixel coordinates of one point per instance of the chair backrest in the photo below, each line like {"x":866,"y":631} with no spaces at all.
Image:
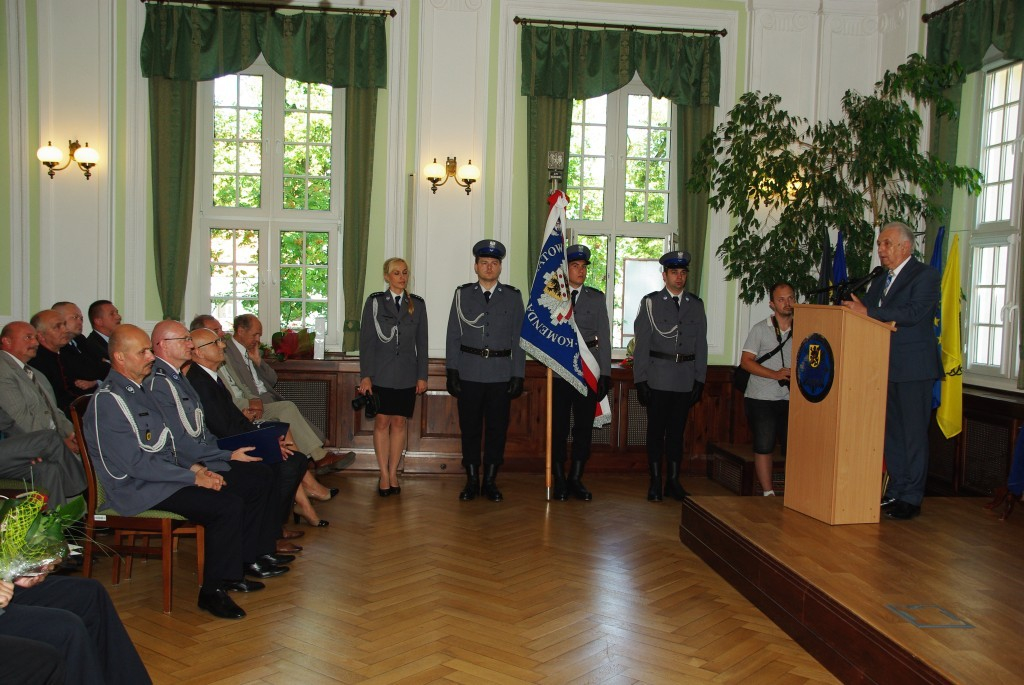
{"x":94,"y":494}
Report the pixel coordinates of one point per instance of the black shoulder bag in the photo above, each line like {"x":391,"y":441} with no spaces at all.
{"x":740,"y":376}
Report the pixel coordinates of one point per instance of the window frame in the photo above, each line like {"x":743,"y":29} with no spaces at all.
{"x":271,"y":219}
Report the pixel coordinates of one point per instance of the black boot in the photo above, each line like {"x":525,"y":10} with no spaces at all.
{"x":558,"y":490}
{"x":654,"y":489}
{"x":576,"y":486}
{"x":673,"y":488}
{"x":472,"y":484}
{"x":490,"y":490}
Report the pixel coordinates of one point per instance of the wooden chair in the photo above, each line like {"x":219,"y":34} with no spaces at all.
{"x":165,"y":524}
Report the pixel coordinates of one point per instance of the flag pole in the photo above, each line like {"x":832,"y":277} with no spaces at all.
{"x":556,"y":165}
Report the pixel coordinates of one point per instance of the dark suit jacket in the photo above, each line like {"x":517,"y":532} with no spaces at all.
{"x":82,"y":361}
{"x":222,"y":417}
{"x":48,"y":363}
{"x":911,"y":304}
{"x":99,"y":345}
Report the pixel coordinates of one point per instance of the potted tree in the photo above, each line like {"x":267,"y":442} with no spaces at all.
{"x":786,"y":180}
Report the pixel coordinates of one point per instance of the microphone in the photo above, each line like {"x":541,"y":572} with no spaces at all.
{"x":854,"y":286}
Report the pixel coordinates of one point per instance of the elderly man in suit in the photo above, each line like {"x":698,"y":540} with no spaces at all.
{"x":25,"y":395}
{"x":907,"y":295}
{"x":143,"y":466}
{"x":485,"y":366}
{"x":83,"y":363}
{"x":240,"y":379}
{"x":53,"y":336}
{"x":670,"y":364}
{"x":42,"y":460}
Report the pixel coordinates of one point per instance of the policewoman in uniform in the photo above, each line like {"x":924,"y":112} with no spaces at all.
{"x":485,"y":366}
{"x":590,"y":311}
{"x":670,"y":365}
{"x":393,"y":357}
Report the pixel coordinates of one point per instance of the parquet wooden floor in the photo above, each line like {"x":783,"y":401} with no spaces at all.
{"x":422,"y":588}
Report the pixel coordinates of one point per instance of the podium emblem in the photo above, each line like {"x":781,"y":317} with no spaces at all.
{"x":815,"y":367}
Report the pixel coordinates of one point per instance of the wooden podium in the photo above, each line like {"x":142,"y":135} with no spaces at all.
{"x":834,"y":454}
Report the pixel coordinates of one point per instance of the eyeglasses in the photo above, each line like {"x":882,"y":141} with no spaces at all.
{"x":187,"y":337}
{"x":215,"y":341}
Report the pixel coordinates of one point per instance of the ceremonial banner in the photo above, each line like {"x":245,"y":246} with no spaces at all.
{"x":936,"y":263}
{"x":549,"y":332}
{"x":950,"y":412}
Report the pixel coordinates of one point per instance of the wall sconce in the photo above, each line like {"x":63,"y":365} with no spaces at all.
{"x":85,"y":156}
{"x":469,"y":174}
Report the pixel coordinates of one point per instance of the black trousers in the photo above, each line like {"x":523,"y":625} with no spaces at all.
{"x":240,"y":519}
{"x":666,"y":422}
{"x":483,"y":417}
{"x":30,"y":662}
{"x":288,"y":475}
{"x":566,"y":400}
{"x":75,"y":615}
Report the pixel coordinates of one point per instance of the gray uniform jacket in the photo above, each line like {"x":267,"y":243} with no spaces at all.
{"x":478,"y":324}
{"x":29,"y":401}
{"x":591,"y":315}
{"x":661,"y":328}
{"x":179,"y":405}
{"x":133,"y":455}
{"x":393,"y":349}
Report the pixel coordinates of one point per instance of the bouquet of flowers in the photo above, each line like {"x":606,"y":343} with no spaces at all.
{"x":292,"y":344}
{"x":32,"y":539}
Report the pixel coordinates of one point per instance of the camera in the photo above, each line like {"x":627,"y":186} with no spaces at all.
{"x":368,"y":403}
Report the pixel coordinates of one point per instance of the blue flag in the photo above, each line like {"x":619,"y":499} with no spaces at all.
{"x":938,"y":252}
{"x":824,"y":270}
{"x":839,"y":274}
{"x":549,"y":331}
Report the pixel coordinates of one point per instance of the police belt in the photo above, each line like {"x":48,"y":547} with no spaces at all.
{"x":593,"y":343}
{"x":486,"y":352}
{"x":673,"y":357}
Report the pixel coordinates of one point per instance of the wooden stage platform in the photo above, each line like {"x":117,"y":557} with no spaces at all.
{"x":939,"y":599}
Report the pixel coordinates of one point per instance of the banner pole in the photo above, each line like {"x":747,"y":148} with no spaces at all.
{"x":547,"y":441}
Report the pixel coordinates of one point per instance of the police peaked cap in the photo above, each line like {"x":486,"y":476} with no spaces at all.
{"x":489,"y":248}
{"x":675,"y":260}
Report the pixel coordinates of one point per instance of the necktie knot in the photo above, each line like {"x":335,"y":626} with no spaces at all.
{"x":398,"y":301}
{"x":487,"y":296}
{"x":675,"y":298}
{"x":574,"y":294}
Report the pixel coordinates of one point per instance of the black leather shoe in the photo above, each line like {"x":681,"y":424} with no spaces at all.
{"x":902,"y":511}
{"x":490,"y":488}
{"x":888,"y":501}
{"x":243,"y":585}
{"x":469,"y":492}
{"x":276,"y":559}
{"x":261,"y":569}
{"x":218,"y":603}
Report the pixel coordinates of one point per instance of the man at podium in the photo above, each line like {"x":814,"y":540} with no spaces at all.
{"x":908,"y":296}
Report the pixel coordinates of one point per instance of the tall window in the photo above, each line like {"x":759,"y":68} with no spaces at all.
{"x":269,"y":199}
{"x":621,"y":205}
{"x":992,"y":329}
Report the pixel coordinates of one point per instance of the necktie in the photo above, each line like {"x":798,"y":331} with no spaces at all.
{"x":487,"y":296}
{"x":675,"y":298}
{"x":574,"y":294}
{"x":398,"y":301}
{"x":888,"y":281}
{"x":46,"y":398}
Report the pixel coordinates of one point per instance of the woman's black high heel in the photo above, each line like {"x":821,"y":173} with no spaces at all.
{"x":321,"y":523}
{"x":395,"y":490}
{"x":331,"y":492}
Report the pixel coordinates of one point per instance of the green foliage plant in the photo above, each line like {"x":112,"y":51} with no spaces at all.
{"x":785,"y":181}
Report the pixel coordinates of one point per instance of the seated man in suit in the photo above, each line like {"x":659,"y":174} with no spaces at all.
{"x":83,"y":363}
{"x":76,"y":618}
{"x":104,"y":318}
{"x":143,"y":464}
{"x":224,"y":419}
{"x":249,"y":399}
{"x":42,"y":461}
{"x":52,"y":334}
{"x":26,"y":395}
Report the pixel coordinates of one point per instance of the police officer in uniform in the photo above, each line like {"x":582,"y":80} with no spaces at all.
{"x":590,"y":312}
{"x":485,"y":366}
{"x":670,"y":365}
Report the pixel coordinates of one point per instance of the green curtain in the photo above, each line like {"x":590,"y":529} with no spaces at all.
{"x":567,"y":64}
{"x":964,"y":34}
{"x":182,"y":45}
{"x":360,"y":126}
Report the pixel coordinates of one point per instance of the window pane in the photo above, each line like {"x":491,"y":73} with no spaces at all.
{"x":597,"y":272}
{"x":637,"y":142}
{"x":657,"y":177}
{"x":636,"y":173}
{"x":593,"y":172}
{"x":985,"y":306}
{"x":657,"y":208}
{"x":633,"y":207}
{"x":661,"y":112}
{"x":303,"y":277}
{"x":576,"y":140}
{"x":234,"y":272}
{"x":238,"y":140}
{"x":594,"y":140}
{"x":592,"y":204}
{"x":597,"y":110}
{"x":639,"y":110}
{"x":308,"y":132}
{"x":585,"y":172}
{"x":982,"y":355}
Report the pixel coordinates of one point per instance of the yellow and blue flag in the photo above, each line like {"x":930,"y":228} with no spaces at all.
{"x":950,"y":413}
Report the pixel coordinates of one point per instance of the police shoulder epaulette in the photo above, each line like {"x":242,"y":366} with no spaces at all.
{"x":587,"y":288}
{"x":510,"y":287}
{"x":653,"y":294}
{"x":466,"y":285}
{"x":415,"y":297}
{"x":377,"y":294}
